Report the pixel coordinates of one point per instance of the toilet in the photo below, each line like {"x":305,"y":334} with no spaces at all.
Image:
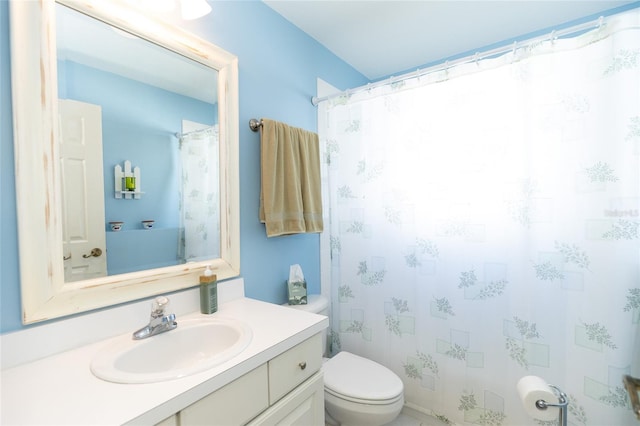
{"x":357,"y":390}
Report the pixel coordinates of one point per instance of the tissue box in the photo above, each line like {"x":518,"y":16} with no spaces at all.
{"x":297,"y":292}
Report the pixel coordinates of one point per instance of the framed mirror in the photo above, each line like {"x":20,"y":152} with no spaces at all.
{"x":54,"y":193}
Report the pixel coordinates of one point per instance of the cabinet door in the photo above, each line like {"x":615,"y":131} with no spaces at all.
{"x":234,"y":404}
{"x":304,"y":406}
{"x":289,"y":369}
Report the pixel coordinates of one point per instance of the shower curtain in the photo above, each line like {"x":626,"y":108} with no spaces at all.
{"x":199,"y":199}
{"x":484,"y":226}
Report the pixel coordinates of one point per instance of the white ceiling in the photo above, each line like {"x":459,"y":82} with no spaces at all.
{"x":380,"y":38}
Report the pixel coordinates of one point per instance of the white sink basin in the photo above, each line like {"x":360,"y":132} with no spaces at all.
{"x":197,"y":344}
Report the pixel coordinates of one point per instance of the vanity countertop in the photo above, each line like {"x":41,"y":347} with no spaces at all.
{"x":61,"y":390}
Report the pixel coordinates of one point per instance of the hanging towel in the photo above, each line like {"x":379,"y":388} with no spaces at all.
{"x":290,"y":195}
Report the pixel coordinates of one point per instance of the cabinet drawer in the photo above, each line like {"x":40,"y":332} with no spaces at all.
{"x":289,"y":369}
{"x":234,"y":404}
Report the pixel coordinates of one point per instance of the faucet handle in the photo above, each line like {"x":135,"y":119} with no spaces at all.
{"x":169,"y":319}
{"x":159,"y":305}
{"x":160,"y":302}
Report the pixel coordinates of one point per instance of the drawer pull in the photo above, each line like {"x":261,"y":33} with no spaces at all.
{"x":302,"y":365}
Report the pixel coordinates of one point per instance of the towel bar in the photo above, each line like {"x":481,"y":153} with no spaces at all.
{"x":255,"y":124}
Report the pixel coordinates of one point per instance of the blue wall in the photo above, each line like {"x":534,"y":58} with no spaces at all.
{"x":278,"y":67}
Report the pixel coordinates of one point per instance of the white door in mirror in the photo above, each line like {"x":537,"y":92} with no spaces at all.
{"x":82,"y":209}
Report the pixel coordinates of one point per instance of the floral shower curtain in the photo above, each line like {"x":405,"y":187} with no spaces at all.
{"x":199,"y":198}
{"x":484,"y":226}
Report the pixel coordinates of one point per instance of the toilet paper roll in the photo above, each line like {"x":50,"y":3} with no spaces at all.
{"x":532,"y":389}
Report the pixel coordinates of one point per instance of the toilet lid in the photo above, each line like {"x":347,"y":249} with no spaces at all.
{"x":355,"y":377}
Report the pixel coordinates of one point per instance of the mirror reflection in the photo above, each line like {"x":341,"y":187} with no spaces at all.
{"x":138,"y":152}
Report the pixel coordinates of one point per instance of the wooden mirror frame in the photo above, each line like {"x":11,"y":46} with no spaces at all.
{"x":45,"y":294}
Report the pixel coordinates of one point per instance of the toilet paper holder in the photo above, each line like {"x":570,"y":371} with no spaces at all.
{"x":562,"y":403}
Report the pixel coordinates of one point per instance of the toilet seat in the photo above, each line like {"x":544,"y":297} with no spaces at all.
{"x":361,"y":380}
{"x":363,"y":401}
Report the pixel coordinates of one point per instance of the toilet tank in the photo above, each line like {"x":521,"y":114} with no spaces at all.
{"x":316,"y":304}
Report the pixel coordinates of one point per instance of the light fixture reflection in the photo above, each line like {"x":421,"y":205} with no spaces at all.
{"x":164,"y":5}
{"x":189,"y":9}
{"x":193,"y":9}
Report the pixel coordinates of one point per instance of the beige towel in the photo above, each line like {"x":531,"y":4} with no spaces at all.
{"x":290,"y":195}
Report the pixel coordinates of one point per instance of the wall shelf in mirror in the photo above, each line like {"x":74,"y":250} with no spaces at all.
{"x":43,"y":228}
{"x":127,"y":181}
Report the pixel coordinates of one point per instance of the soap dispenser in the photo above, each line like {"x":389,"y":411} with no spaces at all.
{"x":208,"y":292}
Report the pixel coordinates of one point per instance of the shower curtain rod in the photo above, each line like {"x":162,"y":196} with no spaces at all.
{"x":597,"y":24}
{"x":179,"y":135}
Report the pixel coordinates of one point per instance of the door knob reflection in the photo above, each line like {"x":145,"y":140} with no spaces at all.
{"x":96,"y":252}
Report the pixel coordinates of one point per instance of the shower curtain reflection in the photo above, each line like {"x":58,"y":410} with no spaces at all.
{"x":199,"y":198}
{"x":484,"y":226}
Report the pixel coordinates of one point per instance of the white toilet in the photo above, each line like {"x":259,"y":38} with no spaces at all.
{"x":357,"y":390}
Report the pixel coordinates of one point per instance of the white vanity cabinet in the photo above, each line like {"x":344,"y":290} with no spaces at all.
{"x":288,"y":389}
{"x":276,"y":380}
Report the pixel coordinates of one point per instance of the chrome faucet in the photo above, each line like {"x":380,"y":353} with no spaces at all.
{"x":159,"y":321}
